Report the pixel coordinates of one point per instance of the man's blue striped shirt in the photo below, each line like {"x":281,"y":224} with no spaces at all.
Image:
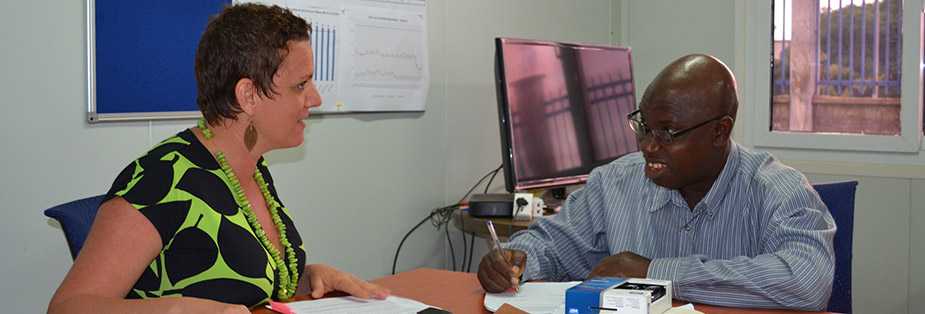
{"x":761,"y":237}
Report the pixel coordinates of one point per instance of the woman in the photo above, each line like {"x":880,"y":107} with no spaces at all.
{"x":197,"y":218}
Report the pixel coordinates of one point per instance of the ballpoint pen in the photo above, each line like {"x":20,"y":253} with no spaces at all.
{"x":496,"y":244}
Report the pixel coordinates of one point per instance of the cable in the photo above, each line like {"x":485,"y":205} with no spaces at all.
{"x":492,"y":179}
{"x":477,"y":183}
{"x":468,"y":261}
{"x":395,"y":260}
{"x":465,"y":252}
{"x":446,"y":228}
{"x":444,"y":215}
{"x":471,"y":251}
{"x":466,"y":264}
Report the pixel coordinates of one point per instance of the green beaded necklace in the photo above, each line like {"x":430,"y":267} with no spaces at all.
{"x":287,"y":284}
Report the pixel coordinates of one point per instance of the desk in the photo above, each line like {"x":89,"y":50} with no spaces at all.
{"x":461,"y":293}
{"x":475,"y":225}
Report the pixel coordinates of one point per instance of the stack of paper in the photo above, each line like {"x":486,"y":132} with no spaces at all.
{"x":350,"y":305}
{"x":533,"y":297}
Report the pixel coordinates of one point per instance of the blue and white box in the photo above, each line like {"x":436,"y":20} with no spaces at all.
{"x":619,"y":295}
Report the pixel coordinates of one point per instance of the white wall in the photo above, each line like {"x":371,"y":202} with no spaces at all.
{"x":356,"y":186}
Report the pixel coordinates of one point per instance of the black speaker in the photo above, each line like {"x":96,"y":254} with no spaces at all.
{"x":491,"y":205}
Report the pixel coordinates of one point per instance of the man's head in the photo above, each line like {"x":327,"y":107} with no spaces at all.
{"x":687,"y":114}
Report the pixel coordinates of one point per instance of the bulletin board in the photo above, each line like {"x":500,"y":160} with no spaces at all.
{"x":140,"y":57}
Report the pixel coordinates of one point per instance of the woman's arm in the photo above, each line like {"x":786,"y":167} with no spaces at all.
{"x":121,"y":243}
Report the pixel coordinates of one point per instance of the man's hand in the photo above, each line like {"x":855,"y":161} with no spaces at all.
{"x":625,"y":264}
{"x":324,"y":279}
{"x":500,"y":270}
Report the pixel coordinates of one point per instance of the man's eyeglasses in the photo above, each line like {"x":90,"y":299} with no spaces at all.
{"x":662,"y":136}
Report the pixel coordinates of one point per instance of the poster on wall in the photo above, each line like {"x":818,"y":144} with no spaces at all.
{"x":370,"y":55}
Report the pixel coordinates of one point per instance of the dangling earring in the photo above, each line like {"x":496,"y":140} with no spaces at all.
{"x":250,"y":136}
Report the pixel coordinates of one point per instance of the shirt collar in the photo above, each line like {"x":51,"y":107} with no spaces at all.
{"x":662,"y":195}
{"x":721,"y":186}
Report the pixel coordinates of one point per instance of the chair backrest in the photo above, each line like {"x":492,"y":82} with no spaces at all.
{"x":75,"y":218}
{"x":839,"y":198}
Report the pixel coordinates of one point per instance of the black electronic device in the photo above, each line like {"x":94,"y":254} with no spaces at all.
{"x":491,"y":205}
{"x":562,"y":110}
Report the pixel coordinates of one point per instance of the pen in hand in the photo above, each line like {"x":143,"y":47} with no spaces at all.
{"x":496,"y":246}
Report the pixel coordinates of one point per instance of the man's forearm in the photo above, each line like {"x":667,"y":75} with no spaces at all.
{"x":778,"y":280}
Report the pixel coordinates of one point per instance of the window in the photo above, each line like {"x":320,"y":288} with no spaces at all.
{"x":808,"y":86}
{"x":840,"y":71}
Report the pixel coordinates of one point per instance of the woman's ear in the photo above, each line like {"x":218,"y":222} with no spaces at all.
{"x":246,"y":93}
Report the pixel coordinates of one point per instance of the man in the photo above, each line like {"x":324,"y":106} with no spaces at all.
{"x":728,"y":226}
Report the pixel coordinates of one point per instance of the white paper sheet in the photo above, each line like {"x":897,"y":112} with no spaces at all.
{"x":350,"y":305}
{"x":533,"y":297}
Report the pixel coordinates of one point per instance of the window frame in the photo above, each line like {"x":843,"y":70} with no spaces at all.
{"x":754,"y":30}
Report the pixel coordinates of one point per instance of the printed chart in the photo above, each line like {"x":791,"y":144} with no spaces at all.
{"x":369,"y":55}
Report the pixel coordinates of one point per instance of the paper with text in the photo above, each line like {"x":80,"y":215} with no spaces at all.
{"x":392,"y":304}
{"x":533,"y":297}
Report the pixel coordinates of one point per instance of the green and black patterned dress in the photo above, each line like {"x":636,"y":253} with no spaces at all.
{"x":209,"y":250}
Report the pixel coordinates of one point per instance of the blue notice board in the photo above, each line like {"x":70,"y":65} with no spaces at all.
{"x":140,"y":63}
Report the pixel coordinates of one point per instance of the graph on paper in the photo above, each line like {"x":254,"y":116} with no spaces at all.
{"x":368,"y":55}
{"x":388,"y":54}
{"x":387,"y":49}
{"x":324,"y":44}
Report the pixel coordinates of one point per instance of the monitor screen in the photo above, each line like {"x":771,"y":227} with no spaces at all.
{"x":562,"y":110}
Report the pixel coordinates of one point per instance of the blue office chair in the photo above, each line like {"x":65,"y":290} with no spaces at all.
{"x":839,"y":198}
{"x":75,"y":218}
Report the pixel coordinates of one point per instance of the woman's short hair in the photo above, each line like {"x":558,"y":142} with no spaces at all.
{"x":243,"y":41}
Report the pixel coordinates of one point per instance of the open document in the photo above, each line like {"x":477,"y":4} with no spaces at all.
{"x":391,"y":305}
{"x":533,"y":297}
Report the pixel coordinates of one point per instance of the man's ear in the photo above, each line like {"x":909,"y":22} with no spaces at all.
{"x":246,"y":94}
{"x":723,"y":130}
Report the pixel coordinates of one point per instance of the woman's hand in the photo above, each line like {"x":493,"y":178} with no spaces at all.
{"x":234,"y":309}
{"x":196,"y":305}
{"x":324,"y":279}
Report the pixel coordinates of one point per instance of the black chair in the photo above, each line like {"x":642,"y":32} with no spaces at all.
{"x":839,"y":198}
{"x":75,"y":218}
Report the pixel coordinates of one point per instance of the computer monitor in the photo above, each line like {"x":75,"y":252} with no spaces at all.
{"x":562,"y":110}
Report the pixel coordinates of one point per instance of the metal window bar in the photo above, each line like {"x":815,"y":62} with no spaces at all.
{"x":841,"y":75}
{"x":864,"y":36}
{"x":828,"y":59}
{"x":850,"y":71}
{"x":784,"y":73}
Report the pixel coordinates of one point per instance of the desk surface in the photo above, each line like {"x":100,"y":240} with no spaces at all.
{"x":460,"y":292}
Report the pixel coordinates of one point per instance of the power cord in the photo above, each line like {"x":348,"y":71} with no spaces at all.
{"x":471,"y":252}
{"x":441,"y":216}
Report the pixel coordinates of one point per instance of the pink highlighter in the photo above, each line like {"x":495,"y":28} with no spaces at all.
{"x":280,"y":307}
